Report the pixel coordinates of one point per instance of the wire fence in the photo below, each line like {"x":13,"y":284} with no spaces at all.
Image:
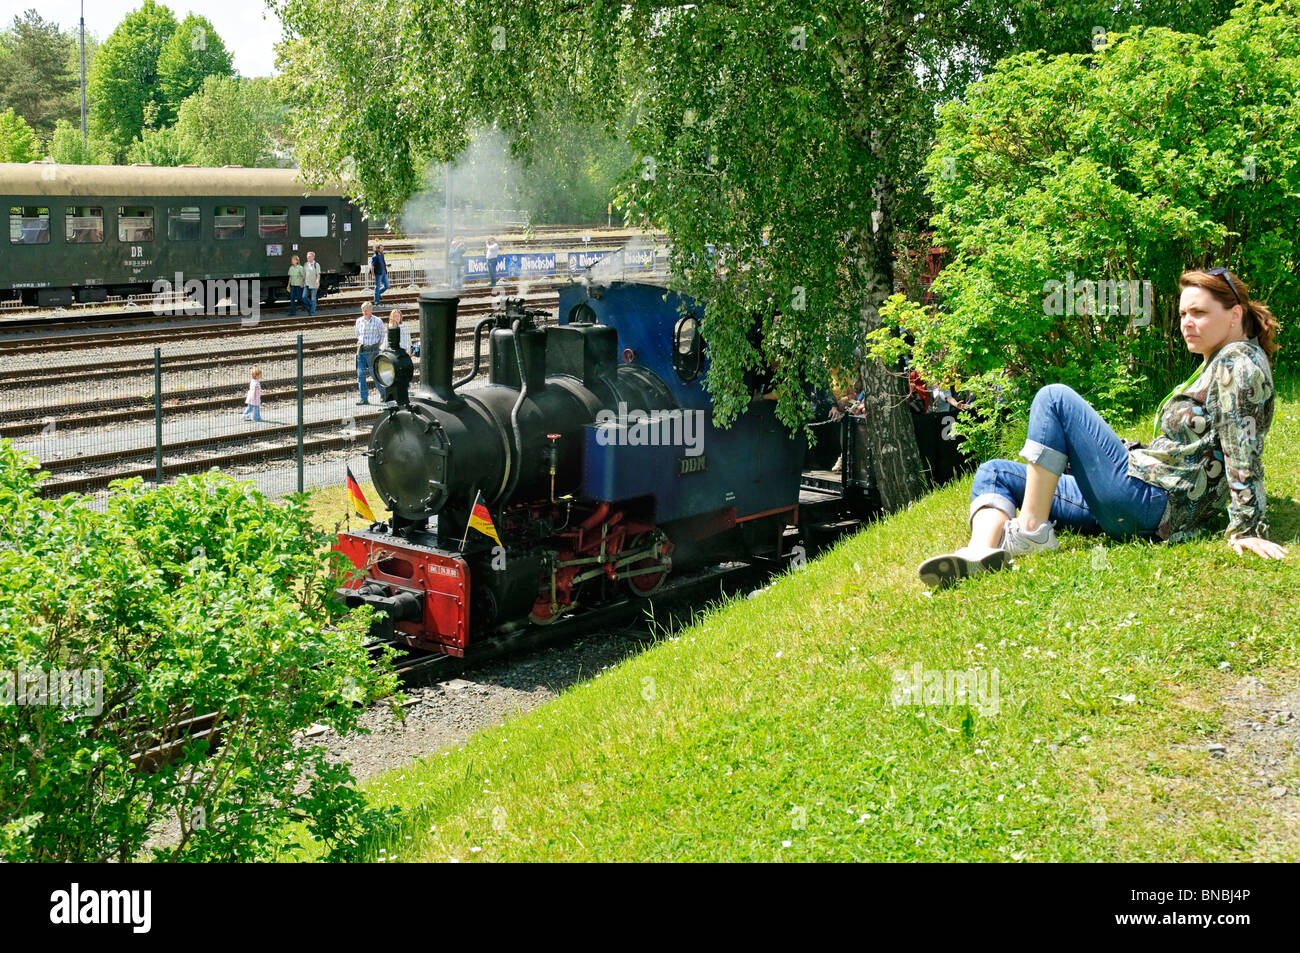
{"x":91,"y":415}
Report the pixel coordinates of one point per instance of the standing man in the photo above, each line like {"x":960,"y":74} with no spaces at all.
{"x":455,"y":263}
{"x":296,"y":278}
{"x":380,"y":269}
{"x":491,"y":252}
{"x":370,"y":335}
{"x":311,"y":282}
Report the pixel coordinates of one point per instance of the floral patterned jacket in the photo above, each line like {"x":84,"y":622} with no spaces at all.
{"x":1210,"y":448}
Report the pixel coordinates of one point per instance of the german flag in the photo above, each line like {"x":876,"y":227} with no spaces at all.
{"x":358,"y":498}
{"x":481,"y":520}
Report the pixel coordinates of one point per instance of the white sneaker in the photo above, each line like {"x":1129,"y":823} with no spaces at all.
{"x":940,"y":571}
{"x":1019,"y":542}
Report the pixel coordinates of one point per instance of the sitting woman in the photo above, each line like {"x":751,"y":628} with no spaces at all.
{"x":1206,"y":453}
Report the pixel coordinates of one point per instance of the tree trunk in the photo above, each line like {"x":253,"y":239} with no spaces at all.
{"x":894,"y":454}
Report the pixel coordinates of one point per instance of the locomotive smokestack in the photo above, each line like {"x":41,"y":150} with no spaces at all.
{"x":438,"y":343}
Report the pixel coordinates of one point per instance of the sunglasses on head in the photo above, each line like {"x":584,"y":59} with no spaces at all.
{"x":1228,"y":278}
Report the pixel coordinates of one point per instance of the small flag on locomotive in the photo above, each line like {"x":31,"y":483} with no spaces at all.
{"x":359,"y":504}
{"x":480,"y":519}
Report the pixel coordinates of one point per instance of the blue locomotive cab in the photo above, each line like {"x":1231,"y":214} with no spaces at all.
{"x":677,"y":457}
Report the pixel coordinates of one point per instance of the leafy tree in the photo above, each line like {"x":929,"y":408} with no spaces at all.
{"x":202,"y":597}
{"x":69,"y":148}
{"x":1073,"y":190}
{"x":232,"y":121}
{"x":160,"y":146}
{"x":806,"y":121}
{"x":34,"y":77}
{"x":194,"y":53}
{"x":17,"y":140}
{"x":125,"y":77}
{"x":570,"y":170}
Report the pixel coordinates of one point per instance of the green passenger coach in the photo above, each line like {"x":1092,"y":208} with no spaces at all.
{"x":82,"y":233}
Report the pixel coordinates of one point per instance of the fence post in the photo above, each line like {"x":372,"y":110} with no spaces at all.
{"x":300,"y":415}
{"x":157,"y":416}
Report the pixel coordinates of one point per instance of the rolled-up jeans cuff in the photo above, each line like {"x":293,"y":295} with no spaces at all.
{"x":1044,"y":456}
{"x":995,"y":500}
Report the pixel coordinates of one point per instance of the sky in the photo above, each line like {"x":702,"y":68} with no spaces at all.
{"x":248,"y":27}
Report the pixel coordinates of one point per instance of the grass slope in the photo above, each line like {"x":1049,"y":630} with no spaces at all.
{"x":766,"y":731}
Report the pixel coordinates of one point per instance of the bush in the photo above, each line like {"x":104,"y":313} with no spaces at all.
{"x":1159,"y":152}
{"x":17,"y":141}
{"x":194,"y":598}
{"x":67,"y":146}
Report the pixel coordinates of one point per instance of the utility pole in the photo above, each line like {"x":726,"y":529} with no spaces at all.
{"x":446,"y":231}
{"x":83,"y":70}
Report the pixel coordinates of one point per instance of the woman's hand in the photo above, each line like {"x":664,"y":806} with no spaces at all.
{"x":1259,"y":546}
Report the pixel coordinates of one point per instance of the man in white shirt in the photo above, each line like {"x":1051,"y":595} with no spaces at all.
{"x":492,"y":250}
{"x":371,"y":334}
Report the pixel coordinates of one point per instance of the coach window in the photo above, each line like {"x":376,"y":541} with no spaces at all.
{"x":273,"y":221}
{"x":183,"y":223}
{"x":134,"y":223}
{"x":29,"y":225}
{"x":228,"y":222}
{"x":84,"y":224}
{"x":314,"y":221}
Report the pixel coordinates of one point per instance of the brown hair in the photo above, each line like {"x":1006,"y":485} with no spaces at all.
{"x":1257,"y":320}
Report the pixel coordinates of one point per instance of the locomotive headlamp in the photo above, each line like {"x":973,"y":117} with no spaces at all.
{"x":385,"y":370}
{"x":393,"y":369}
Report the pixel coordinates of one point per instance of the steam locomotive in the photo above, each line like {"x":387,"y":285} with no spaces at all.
{"x":594,"y":463}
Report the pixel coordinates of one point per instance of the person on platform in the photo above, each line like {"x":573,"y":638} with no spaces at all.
{"x":370,"y":338}
{"x":456,"y":263}
{"x":395,"y":321}
{"x":379,"y":268}
{"x":297,"y":280}
{"x":1205,"y":456}
{"x":253,"y":399}
{"x":311,"y":282}
{"x":491,"y":251}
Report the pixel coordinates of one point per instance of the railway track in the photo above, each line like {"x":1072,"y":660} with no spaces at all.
{"x":128,"y":367}
{"x":121,"y":331}
{"x":282,"y":449}
{"x":108,"y":370}
{"x":120,"y":322}
{"x":148,"y":329}
{"x":139,"y":408}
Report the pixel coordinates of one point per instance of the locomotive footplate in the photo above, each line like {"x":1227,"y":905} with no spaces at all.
{"x":421,"y":592}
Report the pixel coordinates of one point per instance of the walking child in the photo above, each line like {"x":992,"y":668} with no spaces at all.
{"x":253,"y":402}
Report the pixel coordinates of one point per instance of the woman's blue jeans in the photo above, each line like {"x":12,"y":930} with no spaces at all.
{"x":1099,"y":496}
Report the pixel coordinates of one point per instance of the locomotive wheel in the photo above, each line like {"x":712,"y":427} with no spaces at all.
{"x":648,"y":583}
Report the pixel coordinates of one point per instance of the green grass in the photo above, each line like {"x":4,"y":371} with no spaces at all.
{"x":331,"y":510}
{"x":766,"y":732}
